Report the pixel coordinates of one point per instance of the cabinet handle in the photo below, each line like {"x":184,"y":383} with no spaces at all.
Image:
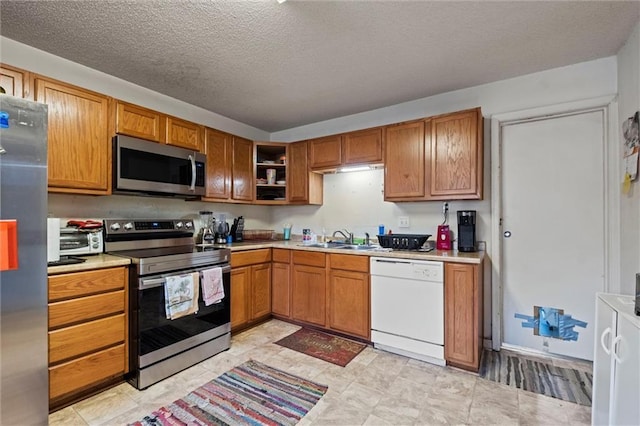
{"x":606,"y":332}
{"x":614,"y":349}
{"x":192,"y":187}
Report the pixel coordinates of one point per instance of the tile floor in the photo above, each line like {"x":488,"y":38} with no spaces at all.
{"x":376,"y":388}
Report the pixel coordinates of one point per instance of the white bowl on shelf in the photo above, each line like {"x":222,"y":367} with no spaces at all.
{"x":281,"y":182}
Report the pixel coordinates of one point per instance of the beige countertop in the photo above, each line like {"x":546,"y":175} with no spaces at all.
{"x":102,"y":261}
{"x":437,"y":255}
{"x":96,"y":261}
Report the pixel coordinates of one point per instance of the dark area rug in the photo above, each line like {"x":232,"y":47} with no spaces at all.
{"x":510,"y":369}
{"x":250,"y":394}
{"x":326,"y":347}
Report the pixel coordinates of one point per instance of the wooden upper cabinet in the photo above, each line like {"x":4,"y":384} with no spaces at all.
{"x":362,"y":147}
{"x":184,"y":134}
{"x":15,"y":81}
{"x":79,"y":147}
{"x":456,"y":156}
{"x":404,"y":172}
{"x":242,"y":186}
{"x":298,"y":173}
{"x":304,"y":186}
{"x":144,"y":123}
{"x":325,"y":153}
{"x":218,"y":148}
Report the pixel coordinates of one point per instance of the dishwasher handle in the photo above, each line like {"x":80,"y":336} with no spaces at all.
{"x":406,"y":262}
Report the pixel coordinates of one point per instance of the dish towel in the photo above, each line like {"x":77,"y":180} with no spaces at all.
{"x":212,"y":289}
{"x":181,"y":294}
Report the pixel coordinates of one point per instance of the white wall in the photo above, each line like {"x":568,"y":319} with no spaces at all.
{"x":628,"y":104}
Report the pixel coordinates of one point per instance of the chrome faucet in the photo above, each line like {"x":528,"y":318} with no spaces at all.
{"x":348,"y":236}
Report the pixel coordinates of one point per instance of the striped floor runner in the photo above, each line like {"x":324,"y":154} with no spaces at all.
{"x":250,"y":394}
{"x":563,"y":383}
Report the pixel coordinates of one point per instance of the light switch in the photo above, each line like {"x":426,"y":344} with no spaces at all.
{"x":403,"y":221}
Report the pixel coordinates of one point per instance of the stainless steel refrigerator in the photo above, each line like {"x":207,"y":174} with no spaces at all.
{"x":24,"y":385}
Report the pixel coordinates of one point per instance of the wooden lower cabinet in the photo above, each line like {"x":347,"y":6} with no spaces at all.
{"x":308,"y":287}
{"x":281,"y":283}
{"x":463,"y":315}
{"x":87,"y":332}
{"x":250,"y":287}
{"x":349,"y":295}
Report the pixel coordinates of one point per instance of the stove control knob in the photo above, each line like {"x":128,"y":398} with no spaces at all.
{"x":115,"y":226}
{"x":188,"y":225}
{"x":179,"y":225}
{"x":128,"y":226}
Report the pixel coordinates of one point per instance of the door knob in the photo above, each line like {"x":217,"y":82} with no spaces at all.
{"x":507,"y":234}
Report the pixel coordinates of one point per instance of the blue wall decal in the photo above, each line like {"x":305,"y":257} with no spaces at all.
{"x":551,"y":322}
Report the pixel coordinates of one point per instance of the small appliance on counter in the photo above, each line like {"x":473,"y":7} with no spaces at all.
{"x":467,"y":230}
{"x":237,"y":229}
{"x":443,"y":239}
{"x":206,"y":235}
{"x":221,"y":229}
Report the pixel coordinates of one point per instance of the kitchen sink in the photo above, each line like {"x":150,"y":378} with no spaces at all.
{"x":341,"y":245}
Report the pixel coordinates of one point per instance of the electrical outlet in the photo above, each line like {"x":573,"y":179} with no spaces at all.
{"x":403,"y":221}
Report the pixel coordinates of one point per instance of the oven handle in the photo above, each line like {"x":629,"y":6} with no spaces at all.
{"x":158,"y":280}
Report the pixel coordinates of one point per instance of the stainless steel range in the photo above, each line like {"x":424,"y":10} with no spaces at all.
{"x":161,"y":251}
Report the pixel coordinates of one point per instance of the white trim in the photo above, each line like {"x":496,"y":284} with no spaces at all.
{"x":608,"y":106}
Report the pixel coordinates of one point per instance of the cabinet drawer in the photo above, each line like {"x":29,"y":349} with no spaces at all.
{"x":80,"y":373}
{"x":78,"y":284}
{"x":349,"y":262}
{"x":83,"y":338}
{"x":85,"y":308}
{"x":301,"y":257}
{"x":282,"y":256}
{"x":250,"y":257}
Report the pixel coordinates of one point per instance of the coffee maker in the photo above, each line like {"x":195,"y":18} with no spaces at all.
{"x":221,"y":229}
{"x":466,"y":230}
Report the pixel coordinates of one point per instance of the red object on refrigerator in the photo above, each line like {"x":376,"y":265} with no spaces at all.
{"x":443,"y":241}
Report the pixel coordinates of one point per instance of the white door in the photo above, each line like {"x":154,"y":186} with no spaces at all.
{"x":553,"y":243}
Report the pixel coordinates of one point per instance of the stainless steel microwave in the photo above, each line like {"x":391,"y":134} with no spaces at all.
{"x":156,"y":169}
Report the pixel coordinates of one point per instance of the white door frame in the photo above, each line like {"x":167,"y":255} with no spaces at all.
{"x":609,"y":107}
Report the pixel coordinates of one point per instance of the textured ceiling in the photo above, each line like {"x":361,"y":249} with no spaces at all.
{"x":277,"y":66}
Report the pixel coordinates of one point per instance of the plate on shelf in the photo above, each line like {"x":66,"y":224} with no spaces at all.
{"x":279,"y":199}
{"x":268,"y":162}
{"x":281,"y":182}
{"x":261,"y":181}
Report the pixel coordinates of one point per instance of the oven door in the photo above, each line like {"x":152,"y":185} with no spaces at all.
{"x":155,"y":338}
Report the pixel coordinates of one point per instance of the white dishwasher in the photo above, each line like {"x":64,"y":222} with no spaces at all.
{"x":407,"y":307}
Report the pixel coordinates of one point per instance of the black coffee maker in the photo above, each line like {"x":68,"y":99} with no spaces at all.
{"x":467,"y":230}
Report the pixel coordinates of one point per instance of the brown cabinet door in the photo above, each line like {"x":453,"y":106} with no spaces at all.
{"x":79,"y":144}
{"x":260,"y":291}
{"x":140,"y":122}
{"x":14,"y":81}
{"x":309,"y":294}
{"x":280,"y":289}
{"x":404,"y":172}
{"x":362,"y":147}
{"x":463,"y":315}
{"x":218,"y":150}
{"x":242,"y":186}
{"x":240,"y":286}
{"x":456,"y":156}
{"x":349,"y":302}
{"x":184,"y":134}
{"x":325,"y":153}
{"x":298,"y":173}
